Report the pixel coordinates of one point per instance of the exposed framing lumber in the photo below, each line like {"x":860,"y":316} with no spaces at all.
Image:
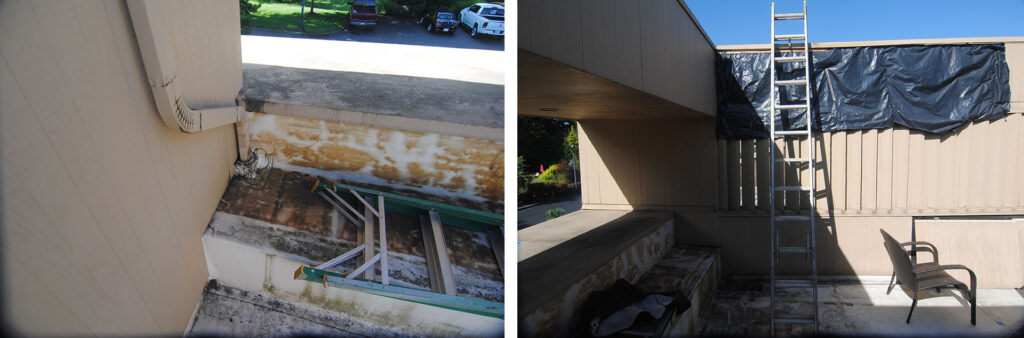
{"x":442,"y":282}
{"x":383,"y":241}
{"x":498,"y":245}
{"x":443,"y":261}
{"x":430,"y":251}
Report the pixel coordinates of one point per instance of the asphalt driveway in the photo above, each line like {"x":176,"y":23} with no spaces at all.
{"x":398,"y":31}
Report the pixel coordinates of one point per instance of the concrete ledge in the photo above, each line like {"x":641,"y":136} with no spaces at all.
{"x":582,"y":252}
{"x":263,"y":259}
{"x":225,"y":310}
{"x":392,"y":101}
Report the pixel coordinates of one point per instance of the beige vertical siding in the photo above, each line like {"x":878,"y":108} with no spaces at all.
{"x":1015,"y":60}
{"x":653,"y":46}
{"x":650,"y":162}
{"x":898,"y":171}
{"x":867,"y":180}
{"x":103,"y":204}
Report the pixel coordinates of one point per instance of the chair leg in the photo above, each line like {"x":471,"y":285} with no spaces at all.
{"x":892,"y":282}
{"x":974,"y":308}
{"x":912,"y":305}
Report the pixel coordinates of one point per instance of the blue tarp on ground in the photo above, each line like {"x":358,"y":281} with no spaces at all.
{"x":930,"y":88}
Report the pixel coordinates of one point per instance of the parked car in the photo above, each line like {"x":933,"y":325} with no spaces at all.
{"x":484,"y":18}
{"x":439,"y":22}
{"x":363,"y":13}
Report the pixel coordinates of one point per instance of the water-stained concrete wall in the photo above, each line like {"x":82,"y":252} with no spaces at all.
{"x":445,"y":165}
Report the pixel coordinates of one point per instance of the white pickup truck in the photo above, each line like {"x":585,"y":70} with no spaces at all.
{"x":484,"y":18}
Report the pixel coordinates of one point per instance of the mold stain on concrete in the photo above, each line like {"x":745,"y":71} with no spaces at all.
{"x":554,"y":317}
{"x":463,"y":166}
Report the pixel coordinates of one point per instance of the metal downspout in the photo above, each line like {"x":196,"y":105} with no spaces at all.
{"x":158,"y":58}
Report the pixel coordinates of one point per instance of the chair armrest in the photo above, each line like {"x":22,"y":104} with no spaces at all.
{"x":929,"y":247}
{"x":974,"y":279}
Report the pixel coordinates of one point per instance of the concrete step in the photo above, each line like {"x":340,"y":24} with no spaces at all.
{"x":692,"y":271}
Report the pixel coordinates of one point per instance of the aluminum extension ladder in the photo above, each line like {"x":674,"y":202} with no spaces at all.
{"x":808,"y":250}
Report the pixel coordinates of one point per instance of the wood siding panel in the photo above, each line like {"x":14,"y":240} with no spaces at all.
{"x":889,"y":171}
{"x":869,"y":170}
{"x":652,"y":46}
{"x":854,"y":161}
{"x":733,"y":173}
{"x":1015,"y":62}
{"x":115,"y":201}
{"x":747,"y":171}
{"x":885,"y":171}
{"x":822,"y":180}
{"x":764,"y":185}
{"x":838,"y":172}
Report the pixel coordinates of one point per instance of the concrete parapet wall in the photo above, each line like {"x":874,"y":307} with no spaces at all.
{"x":556,"y":314}
{"x":444,"y":165}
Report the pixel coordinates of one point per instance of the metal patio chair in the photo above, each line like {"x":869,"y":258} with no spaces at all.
{"x":923,"y":276}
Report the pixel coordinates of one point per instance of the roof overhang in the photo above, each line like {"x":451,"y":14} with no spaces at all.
{"x":548,"y":88}
{"x":654,"y":62}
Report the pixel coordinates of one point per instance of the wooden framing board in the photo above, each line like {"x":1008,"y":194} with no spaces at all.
{"x":444,"y":263}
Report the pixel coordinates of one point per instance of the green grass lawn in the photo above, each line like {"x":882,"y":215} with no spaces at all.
{"x":329,"y":15}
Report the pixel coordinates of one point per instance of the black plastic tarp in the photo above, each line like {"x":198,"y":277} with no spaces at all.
{"x":929,"y":88}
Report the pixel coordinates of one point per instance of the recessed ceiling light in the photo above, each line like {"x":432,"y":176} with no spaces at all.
{"x":547,"y":109}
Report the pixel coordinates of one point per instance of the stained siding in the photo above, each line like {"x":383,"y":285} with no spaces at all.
{"x":103,"y":204}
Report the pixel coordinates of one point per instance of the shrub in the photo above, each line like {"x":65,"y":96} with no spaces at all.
{"x":556,"y":173}
{"x":555,"y":213}
{"x":538,"y":191}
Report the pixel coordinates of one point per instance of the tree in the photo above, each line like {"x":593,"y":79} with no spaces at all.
{"x":571,"y":147}
{"x":312,"y":3}
{"x":522,"y":176}
{"x":540,"y":141}
{"x":247,"y":8}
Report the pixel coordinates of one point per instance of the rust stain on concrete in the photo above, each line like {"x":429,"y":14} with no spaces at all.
{"x":463,"y":166}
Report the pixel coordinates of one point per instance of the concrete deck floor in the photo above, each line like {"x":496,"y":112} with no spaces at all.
{"x":741,"y":308}
{"x":228,"y":311}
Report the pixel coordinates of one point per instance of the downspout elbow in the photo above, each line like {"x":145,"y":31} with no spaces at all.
{"x":156,"y":57}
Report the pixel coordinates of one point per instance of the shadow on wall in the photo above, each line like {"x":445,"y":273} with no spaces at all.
{"x":680,"y":165}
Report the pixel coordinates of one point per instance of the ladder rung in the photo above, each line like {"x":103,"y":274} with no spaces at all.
{"x":790,"y":37}
{"x":792,"y":218}
{"x":791,"y":133}
{"x":794,"y":250}
{"x":794,"y":319}
{"x":790,"y":106}
{"x":790,"y":82}
{"x":789,"y":16}
{"x":792,"y":159}
{"x":792,"y":188}
{"x":802,"y":58}
{"x":792,"y":283}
